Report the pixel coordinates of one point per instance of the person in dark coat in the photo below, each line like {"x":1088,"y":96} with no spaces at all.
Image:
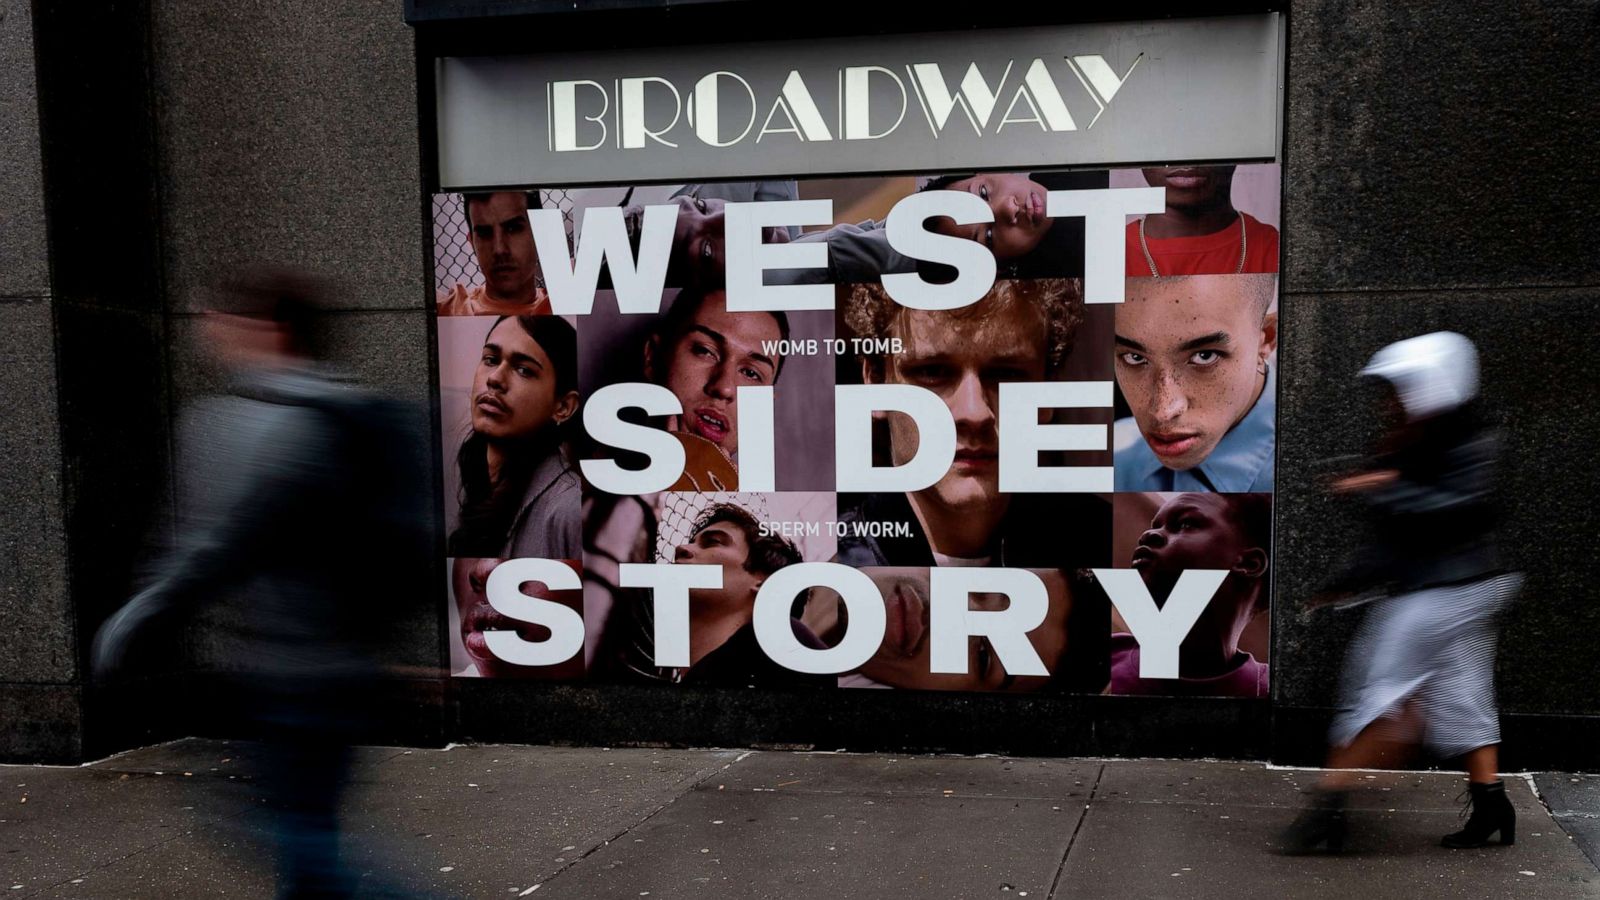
{"x":303,"y":496}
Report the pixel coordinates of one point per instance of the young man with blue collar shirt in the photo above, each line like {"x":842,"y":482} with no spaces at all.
{"x":1194,"y":360}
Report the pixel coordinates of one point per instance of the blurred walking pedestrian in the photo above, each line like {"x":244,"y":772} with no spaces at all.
{"x":1420,"y":671}
{"x":304,"y":497}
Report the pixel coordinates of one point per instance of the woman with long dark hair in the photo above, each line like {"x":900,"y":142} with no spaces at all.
{"x":1421,"y":668}
{"x":520,"y":494}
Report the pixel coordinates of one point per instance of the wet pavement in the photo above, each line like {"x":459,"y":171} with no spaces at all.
{"x":183,"y":820}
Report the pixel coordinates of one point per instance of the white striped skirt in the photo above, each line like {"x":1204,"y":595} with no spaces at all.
{"x":1434,"y":648}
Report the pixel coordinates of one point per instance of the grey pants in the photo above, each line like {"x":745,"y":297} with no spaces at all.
{"x":1436,"y":647}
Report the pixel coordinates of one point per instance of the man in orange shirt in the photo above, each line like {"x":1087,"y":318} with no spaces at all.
{"x":513,"y":284}
{"x":1200,"y":233}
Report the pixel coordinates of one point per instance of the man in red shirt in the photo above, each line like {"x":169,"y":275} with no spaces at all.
{"x":1200,"y":233}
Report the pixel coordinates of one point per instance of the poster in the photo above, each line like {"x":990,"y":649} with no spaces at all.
{"x":974,"y":429}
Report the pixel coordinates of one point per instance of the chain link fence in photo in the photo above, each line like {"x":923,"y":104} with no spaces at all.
{"x":679,"y":511}
{"x":454,"y":261}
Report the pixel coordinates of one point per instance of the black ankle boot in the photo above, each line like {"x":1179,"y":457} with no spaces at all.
{"x":1321,"y":823}
{"x":1491,"y":812}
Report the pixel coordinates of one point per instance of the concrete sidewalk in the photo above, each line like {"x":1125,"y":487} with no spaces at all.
{"x":179,"y":820}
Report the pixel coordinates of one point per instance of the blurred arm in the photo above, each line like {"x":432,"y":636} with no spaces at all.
{"x":229,"y":546}
{"x":1464,"y":485}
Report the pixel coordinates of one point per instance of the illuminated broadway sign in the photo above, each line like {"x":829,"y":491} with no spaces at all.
{"x":1194,"y":89}
{"x":633,"y":112}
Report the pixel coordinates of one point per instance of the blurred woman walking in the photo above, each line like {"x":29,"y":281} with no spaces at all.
{"x":1421,"y":668}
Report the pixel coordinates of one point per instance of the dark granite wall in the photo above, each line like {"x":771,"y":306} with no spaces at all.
{"x":172,"y":143}
{"x":289,"y":136}
{"x":39,"y":701}
{"x":1441,"y":162}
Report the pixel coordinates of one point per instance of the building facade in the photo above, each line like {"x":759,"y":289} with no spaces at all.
{"x":1435,"y":165}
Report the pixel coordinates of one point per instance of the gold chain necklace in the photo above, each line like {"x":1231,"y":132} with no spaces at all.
{"x":1151,"y":260}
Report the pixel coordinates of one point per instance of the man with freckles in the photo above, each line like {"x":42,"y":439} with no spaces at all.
{"x":1021,"y":331}
{"x":1194,"y":360}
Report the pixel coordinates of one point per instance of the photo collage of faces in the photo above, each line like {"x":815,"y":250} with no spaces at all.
{"x":1191,"y":351}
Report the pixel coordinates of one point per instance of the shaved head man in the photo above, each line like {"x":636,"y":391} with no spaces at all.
{"x":1193,"y":361}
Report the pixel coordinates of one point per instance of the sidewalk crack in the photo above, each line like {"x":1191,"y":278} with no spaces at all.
{"x":1055,"y":883}
{"x":627,"y":829}
{"x":106,"y":864}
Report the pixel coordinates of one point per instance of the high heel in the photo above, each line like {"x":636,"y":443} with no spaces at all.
{"x":1321,"y":824}
{"x":1491,"y":812}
